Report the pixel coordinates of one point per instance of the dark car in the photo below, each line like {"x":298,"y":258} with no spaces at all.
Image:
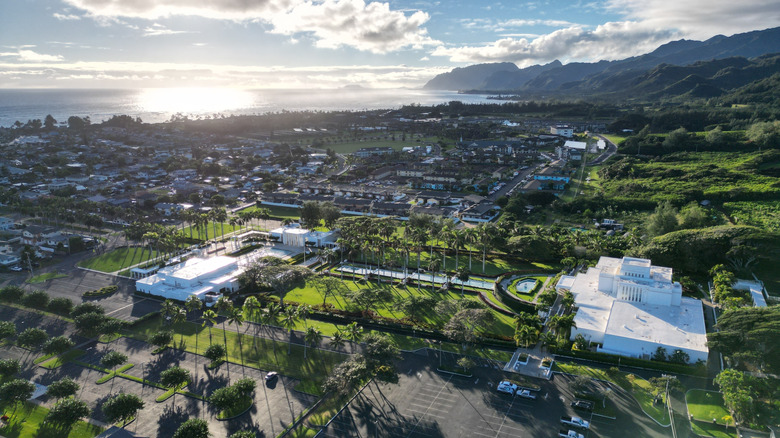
{"x":585,"y":405}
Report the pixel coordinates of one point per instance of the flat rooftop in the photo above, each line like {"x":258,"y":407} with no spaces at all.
{"x":681,"y":327}
{"x":594,"y":306}
{"x":197,"y":267}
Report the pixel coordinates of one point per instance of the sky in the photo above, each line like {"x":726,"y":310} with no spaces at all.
{"x":333,"y":43}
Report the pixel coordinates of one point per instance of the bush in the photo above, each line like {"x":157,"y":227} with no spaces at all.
{"x":60,"y":305}
{"x":85,"y":308}
{"x":11,"y":294}
{"x":36,"y":299}
{"x":215,"y":353}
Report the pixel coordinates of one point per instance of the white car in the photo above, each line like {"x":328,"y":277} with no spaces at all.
{"x":526,"y":393}
{"x":506,"y":387}
{"x":16,"y":269}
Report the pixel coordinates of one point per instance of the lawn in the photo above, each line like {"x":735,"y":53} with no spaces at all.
{"x":26,"y":423}
{"x":200,"y":234}
{"x":277,"y":212}
{"x":706,"y":405}
{"x":259,"y":353}
{"x":617,"y":139}
{"x":712,"y":430}
{"x":495,"y":265}
{"x":118,"y":259}
{"x":536,"y":289}
{"x":635,"y":385}
{"x":311,"y":294}
{"x":44,"y":277}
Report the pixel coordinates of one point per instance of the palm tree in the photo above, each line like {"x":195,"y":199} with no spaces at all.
{"x":313,"y":336}
{"x":210,"y":317}
{"x":463,"y":276}
{"x":194,"y":304}
{"x":168,"y":310}
{"x":526,"y":335}
{"x":252,"y":310}
{"x":271,"y":316}
{"x":354,"y":332}
{"x":236,"y":317}
{"x":434,"y":266}
{"x":220,"y":215}
{"x":224,"y":305}
{"x":289,"y":319}
{"x":337,"y":340}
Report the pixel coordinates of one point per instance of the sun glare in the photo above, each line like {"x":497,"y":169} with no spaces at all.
{"x":194,"y":100}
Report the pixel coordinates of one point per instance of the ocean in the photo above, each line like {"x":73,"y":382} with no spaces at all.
{"x":158,"y":105}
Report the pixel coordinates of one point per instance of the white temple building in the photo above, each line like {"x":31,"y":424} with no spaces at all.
{"x":205,"y":278}
{"x":294,"y":235}
{"x":631,"y":308}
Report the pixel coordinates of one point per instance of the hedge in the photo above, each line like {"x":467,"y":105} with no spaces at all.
{"x":631,"y":361}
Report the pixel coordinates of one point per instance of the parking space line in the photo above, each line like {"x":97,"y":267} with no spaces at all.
{"x":430,"y":407}
{"x":424,"y":413}
{"x":442,"y":389}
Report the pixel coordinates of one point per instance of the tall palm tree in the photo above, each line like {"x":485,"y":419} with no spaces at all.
{"x":220,"y":215}
{"x":194,"y":304}
{"x":236,"y":318}
{"x":337,"y":340}
{"x":270,"y":317}
{"x":225,"y":307}
{"x":289,"y":319}
{"x":458,"y":240}
{"x":463,"y":275}
{"x":434,"y":266}
{"x":168,"y":310}
{"x":313,"y":336}
{"x":354,"y":332}
{"x":209,"y":317}
{"x":251,"y":309}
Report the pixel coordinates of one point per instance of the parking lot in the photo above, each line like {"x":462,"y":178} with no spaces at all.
{"x":426,"y":403}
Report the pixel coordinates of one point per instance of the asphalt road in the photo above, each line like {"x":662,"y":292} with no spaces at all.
{"x":610,"y":151}
{"x":426,"y":403}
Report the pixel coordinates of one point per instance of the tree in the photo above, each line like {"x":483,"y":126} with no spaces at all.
{"x":11,"y":294}
{"x":85,"y":308}
{"x":414,"y":306}
{"x":36,"y":299}
{"x":465,"y":363}
{"x":463,"y":275}
{"x":764,"y":134}
{"x":310,"y":214}
{"x":9,"y":367}
{"x":660,"y":384}
{"x":659,"y":354}
{"x":49,"y":122}
{"x":7,"y":329}
{"x":32,"y":338}
{"x":66,"y":412}
{"x":679,"y":356}
{"x":663,"y":220}
{"x":289,"y":320}
{"x":61,"y":305}
{"x":368,"y":298}
{"x":434,"y":265}
{"x":353,"y":332}
{"x":245,"y":386}
{"x":175,"y":378}
{"x":738,"y":393}
{"x":329,"y":287}
{"x":113,"y":359}
{"x":337,"y":340}
{"x":58,"y":345}
{"x":209,"y":317}
{"x":16,"y":391}
{"x":243,"y":434}
{"x":312,"y":337}
{"x":89,"y":324}
{"x":749,"y":334}
{"x":122,"y":408}
{"x":225,"y":398}
{"x":465,"y":325}
{"x":63,"y":388}
{"x":236,"y":317}
{"x":161,"y":339}
{"x":193,"y":428}
{"x":215,"y":353}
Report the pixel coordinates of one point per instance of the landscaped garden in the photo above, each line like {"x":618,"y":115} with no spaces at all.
{"x":27,"y":422}
{"x":706,"y":406}
{"x":45,"y":277}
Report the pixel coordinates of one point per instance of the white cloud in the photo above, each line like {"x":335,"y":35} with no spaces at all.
{"x":31,"y":56}
{"x":608,"y":41}
{"x":64,"y":17}
{"x":158,"y":29}
{"x":365,"y":26}
{"x":701,"y":19}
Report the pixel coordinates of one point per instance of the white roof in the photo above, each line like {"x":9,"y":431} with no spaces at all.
{"x":575,"y":144}
{"x":677,"y":327}
{"x":197,"y":267}
{"x":593,"y":306}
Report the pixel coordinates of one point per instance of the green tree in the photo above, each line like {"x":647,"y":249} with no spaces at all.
{"x":465,"y":325}
{"x":193,"y":428}
{"x":354,"y":332}
{"x":161,"y":338}
{"x":663,"y":220}
{"x":122,"y":408}
{"x":32,"y":338}
{"x":310,"y":214}
{"x":764,"y":134}
{"x":215,"y":353}
{"x":63,"y":388}
{"x":368,"y":298}
{"x":85,"y":308}
{"x":7,"y":329}
{"x":61,"y":305}
{"x":113,"y":359}
{"x":36,"y":299}
{"x":16,"y":391}
{"x":58,"y":345}
{"x":175,"y":378}
{"x":312,"y":337}
{"x":11,"y":294}
{"x":225,"y":398}
{"x":89,"y":324}
{"x":243,"y":434}
{"x":66,"y":412}
{"x":9,"y":367}
{"x":289,"y":320}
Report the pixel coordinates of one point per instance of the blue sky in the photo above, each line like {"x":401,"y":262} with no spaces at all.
{"x":331,"y":43}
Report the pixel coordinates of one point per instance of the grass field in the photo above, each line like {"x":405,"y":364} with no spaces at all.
{"x":200,"y":234}
{"x":45,"y":277}
{"x":706,"y":405}
{"x":528,"y":296}
{"x":617,"y":139}
{"x":260,"y":353}
{"x":635,"y":385}
{"x":494,"y":264}
{"x":713,"y":430}
{"x":27,"y":421}
{"x":311,"y":294}
{"x":118,"y":259}
{"x":278,"y":212}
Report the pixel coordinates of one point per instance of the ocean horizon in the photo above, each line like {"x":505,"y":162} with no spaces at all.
{"x":155,"y":105}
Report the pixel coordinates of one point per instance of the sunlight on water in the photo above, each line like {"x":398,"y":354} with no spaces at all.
{"x":194,"y":100}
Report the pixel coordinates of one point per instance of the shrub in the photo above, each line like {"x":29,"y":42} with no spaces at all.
{"x":11,"y":294}
{"x":60,"y":305}
{"x":36,"y":299}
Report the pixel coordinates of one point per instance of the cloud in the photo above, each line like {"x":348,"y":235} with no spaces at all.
{"x":68,"y":17}
{"x":31,"y":56}
{"x":151,"y":74}
{"x":613,"y":40}
{"x":372,"y":26}
{"x":701,"y":19}
{"x":158,"y":29}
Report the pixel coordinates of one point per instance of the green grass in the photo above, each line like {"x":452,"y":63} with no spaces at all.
{"x":118,"y":259}
{"x":26,"y":423}
{"x":44,"y":277}
{"x":113,"y":374}
{"x":241,"y":407}
{"x":494,"y":264}
{"x":62,"y":359}
{"x":617,"y":139}
{"x":255,"y":352}
{"x":706,"y":405}
{"x":527,"y":296}
{"x":310,"y":294}
{"x":199,"y":234}
{"x":713,"y":430}
{"x":277,"y":212}
{"x":635,"y":385}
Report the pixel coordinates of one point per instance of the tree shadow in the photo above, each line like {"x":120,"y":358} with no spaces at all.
{"x":171,"y":418}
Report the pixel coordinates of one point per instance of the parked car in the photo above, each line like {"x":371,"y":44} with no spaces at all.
{"x":526,"y":393}
{"x":506,"y":387}
{"x":16,"y":268}
{"x":570,"y":434}
{"x":271,"y":375}
{"x":585,"y":405}
{"x":576,"y":422}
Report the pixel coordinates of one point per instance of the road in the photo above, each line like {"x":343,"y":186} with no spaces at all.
{"x":510,"y":186}
{"x":609,"y":152}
